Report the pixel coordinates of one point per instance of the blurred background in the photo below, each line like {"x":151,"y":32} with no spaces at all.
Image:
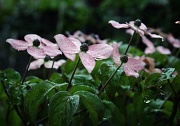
{"x":50,"y":17}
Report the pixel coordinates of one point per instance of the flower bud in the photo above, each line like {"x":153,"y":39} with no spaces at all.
{"x":124,"y":59}
{"x":137,"y":22}
{"x":84,"y":47}
{"x":36,"y":43}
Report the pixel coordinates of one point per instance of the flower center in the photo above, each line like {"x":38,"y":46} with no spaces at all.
{"x":84,"y":47}
{"x":137,"y":22}
{"x":36,"y":43}
{"x":47,"y":58}
{"x":124,"y":59}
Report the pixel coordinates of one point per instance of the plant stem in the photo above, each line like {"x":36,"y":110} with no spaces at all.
{"x":129,"y":43}
{"x":25,"y":73}
{"x":50,"y":71}
{"x":104,"y":86}
{"x":70,"y":81}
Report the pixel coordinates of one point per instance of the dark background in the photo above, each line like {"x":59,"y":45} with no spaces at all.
{"x":50,"y":17}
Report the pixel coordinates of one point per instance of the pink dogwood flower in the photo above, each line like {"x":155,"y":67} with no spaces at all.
{"x":177,"y":22}
{"x":131,"y":67}
{"x":36,"y":46}
{"x":151,"y":49}
{"x":175,"y":42}
{"x":88,"y":54}
{"x":137,"y":26}
{"x":47,"y":64}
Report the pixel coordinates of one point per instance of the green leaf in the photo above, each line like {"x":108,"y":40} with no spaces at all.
{"x":11,"y":77}
{"x":152,"y":79}
{"x":58,"y":78}
{"x":33,"y":79}
{"x":34,"y":98}
{"x":109,"y":109}
{"x":94,"y":105}
{"x":167,"y":74}
{"x":76,"y":88}
{"x":176,"y":83}
{"x":62,"y":107}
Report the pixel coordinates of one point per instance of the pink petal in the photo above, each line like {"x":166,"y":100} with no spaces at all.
{"x":75,"y":41}
{"x":50,"y":51}
{"x":56,"y":65}
{"x":71,"y":56}
{"x":147,"y":42}
{"x":100,"y":51}
{"x":156,"y":36}
{"x":129,"y":71}
{"x":65,"y":44}
{"x":140,"y":32}
{"x":87,"y":61}
{"x":36,"y":52}
{"x":36,"y":64}
{"x":49,"y":43}
{"x":149,"y":50}
{"x":163,"y":50}
{"x":177,"y":22}
{"x":18,"y":44}
{"x":175,"y":42}
{"x":117,"y":24}
{"x":31,"y":37}
{"x":115,"y":54}
{"x":135,"y":64}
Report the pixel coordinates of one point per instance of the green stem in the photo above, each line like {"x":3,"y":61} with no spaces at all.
{"x":104,"y":86}
{"x":25,"y":73}
{"x":129,"y":44}
{"x":50,"y":71}
{"x":69,"y":84}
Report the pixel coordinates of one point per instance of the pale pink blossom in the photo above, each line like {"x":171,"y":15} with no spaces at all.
{"x":151,"y":49}
{"x":39,"y":51}
{"x":175,"y":42}
{"x":132,"y":66}
{"x":142,"y":29}
{"x":177,"y":22}
{"x":47,"y":64}
{"x":71,"y":46}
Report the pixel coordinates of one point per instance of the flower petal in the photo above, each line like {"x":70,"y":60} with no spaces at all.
{"x":117,"y":24}
{"x":50,"y":51}
{"x":115,"y":54}
{"x":65,"y":44}
{"x":18,"y":44}
{"x":135,"y":64}
{"x":31,"y":37}
{"x":129,"y":71}
{"x":56,"y":65}
{"x":155,"y":36}
{"x":36,"y":52}
{"x":163,"y":50}
{"x":49,"y":43}
{"x":100,"y":51}
{"x":36,"y":64}
{"x":71,"y":56}
{"x":87,"y":61}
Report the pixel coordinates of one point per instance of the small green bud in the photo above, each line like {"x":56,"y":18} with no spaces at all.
{"x":124,"y":59}
{"x":36,"y":43}
{"x":137,"y":22}
{"x":84,"y":47}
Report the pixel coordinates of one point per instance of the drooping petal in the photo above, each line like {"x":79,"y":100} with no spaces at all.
{"x":50,"y":51}
{"x":135,"y":64}
{"x":65,"y":44}
{"x":147,"y":42}
{"x":87,"y":61}
{"x":175,"y":42}
{"x":36,"y":64}
{"x":49,"y":43}
{"x":117,"y":24}
{"x":36,"y":52}
{"x":56,"y":65}
{"x":163,"y":50}
{"x":115,"y":54}
{"x":129,"y":71}
{"x":18,"y":44}
{"x":149,"y":50}
{"x":31,"y":37}
{"x":156,"y":36}
{"x":71,"y":56}
{"x":100,"y":51}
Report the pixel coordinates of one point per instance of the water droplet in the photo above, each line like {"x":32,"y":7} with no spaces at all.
{"x":147,"y":101}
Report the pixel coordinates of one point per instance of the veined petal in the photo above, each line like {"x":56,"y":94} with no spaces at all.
{"x":163,"y":50}
{"x":87,"y":61}
{"x":129,"y":71}
{"x":135,"y":64}
{"x":71,"y":56}
{"x":115,"y":54}
{"x":49,"y":43}
{"x":65,"y":44}
{"x":36,"y":52}
{"x":75,"y":41}
{"x":36,"y":64}
{"x":18,"y":44}
{"x":117,"y":24}
{"x":31,"y":37}
{"x":50,"y":51}
{"x":100,"y":51}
